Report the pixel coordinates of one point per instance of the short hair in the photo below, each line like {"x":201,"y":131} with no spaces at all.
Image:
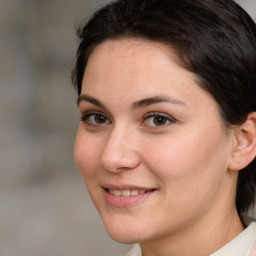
{"x":214,"y":39}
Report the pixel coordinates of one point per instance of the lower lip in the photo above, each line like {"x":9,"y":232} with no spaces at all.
{"x":125,"y":201}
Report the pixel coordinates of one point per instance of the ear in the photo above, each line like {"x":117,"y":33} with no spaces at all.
{"x":244,"y":151}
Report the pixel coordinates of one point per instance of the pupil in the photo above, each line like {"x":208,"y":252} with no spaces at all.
{"x":100,"y":119}
{"x":159,"y":120}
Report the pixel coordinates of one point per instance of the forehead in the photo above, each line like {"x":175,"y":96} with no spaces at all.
{"x":122,"y":48}
{"x":133,"y":61}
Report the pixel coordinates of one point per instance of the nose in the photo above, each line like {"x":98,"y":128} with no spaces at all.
{"x":120,"y":151}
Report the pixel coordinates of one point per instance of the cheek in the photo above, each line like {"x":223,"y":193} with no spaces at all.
{"x":187,"y":160}
{"x":86,"y":154}
{"x":188,"y":175}
{"x":177,"y":155}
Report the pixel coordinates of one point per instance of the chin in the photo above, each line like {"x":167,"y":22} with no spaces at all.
{"x":124,"y":232}
{"x":124,"y":239}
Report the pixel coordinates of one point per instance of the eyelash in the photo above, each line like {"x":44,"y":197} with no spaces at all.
{"x":166,"y":119}
{"x":85,"y":117}
{"x":163,"y":116}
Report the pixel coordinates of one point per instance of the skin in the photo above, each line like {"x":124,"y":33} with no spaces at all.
{"x":184,"y":156}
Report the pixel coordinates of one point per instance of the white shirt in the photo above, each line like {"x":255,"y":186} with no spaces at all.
{"x":243,"y":245}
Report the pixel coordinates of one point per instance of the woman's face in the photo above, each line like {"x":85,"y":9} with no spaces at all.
{"x":151,"y":145}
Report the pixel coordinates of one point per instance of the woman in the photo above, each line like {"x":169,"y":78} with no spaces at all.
{"x":167,"y":138}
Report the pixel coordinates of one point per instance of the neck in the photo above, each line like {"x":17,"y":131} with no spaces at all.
{"x":201,"y":238}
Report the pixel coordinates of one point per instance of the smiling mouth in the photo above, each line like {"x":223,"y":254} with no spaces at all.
{"x":129,"y":192}
{"x":122,"y":196}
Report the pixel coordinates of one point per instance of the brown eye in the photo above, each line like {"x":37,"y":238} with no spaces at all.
{"x":99,"y":119}
{"x":95,"y":119}
{"x":158,"y":119}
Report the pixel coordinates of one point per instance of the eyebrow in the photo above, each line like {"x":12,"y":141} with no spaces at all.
{"x":89,"y":99}
{"x":156,"y":99}
{"x":137,"y":104}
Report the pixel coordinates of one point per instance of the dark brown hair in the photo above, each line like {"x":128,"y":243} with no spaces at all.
{"x":214,"y":39}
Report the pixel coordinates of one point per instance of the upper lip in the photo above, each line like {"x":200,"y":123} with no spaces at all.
{"x":126,"y":186}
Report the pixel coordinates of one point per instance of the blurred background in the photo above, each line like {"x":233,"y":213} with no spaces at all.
{"x":44,"y":205}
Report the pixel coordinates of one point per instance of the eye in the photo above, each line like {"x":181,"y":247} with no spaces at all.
{"x":94,"y":118}
{"x":157,"y":120}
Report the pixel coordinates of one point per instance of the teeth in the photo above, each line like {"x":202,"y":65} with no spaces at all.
{"x":126,"y":192}
{"x":116,"y":192}
{"x":134,"y":192}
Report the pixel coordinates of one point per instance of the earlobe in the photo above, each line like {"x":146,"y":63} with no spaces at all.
{"x":244,"y":151}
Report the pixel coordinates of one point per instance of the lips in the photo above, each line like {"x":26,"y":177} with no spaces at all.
{"x":125,"y":195}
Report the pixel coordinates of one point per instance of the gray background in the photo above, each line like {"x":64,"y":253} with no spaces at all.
{"x":44,"y":205}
